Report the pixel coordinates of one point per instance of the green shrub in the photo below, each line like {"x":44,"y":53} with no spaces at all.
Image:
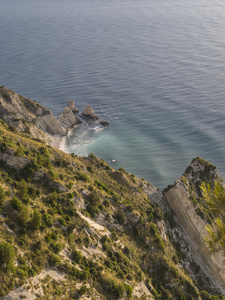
{"x":52,"y":174}
{"x":43,"y":158}
{"x":7,"y":255}
{"x":106,"y":203}
{"x":205,"y":295}
{"x":120,"y":216}
{"x":23,"y":191}
{"x":60,"y":162}
{"x":83,"y":290}
{"x":94,"y":197}
{"x":117,"y":290}
{"x":93,"y":210}
{"x":160,"y":242}
{"x":21,"y":273}
{"x":89,"y":168}
{"x":54,"y":259}
{"x":158,"y":214}
{"x":2,"y":196}
{"x":82,"y":176}
{"x":57,"y":247}
{"x":62,"y":221}
{"x":24,"y":215}
{"x":102,"y":186}
{"x":35,"y":222}
{"x":12,"y":128}
{"x":48,"y":219}
{"x":85,"y":274}
{"x":76,"y":256}
{"x":70,"y":185}
{"x":19,"y":152}
{"x":129,"y":290}
{"x":16,"y":203}
{"x":3,"y":147}
{"x":67,"y":218}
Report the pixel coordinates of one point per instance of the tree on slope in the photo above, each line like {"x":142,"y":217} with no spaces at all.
{"x":215,"y":198}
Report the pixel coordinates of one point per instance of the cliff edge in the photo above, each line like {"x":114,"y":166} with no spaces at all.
{"x":29,"y":116}
{"x":184,"y":198}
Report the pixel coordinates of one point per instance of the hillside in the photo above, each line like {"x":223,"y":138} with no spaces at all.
{"x":74,"y":228}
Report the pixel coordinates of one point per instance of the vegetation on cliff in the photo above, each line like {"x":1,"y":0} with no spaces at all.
{"x":215,"y":200}
{"x":101,"y":230}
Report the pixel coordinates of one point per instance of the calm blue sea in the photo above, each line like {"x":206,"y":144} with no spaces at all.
{"x":154,"y":68}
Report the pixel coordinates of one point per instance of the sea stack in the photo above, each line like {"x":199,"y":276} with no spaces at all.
{"x":89,"y":113}
{"x":71,"y":105}
{"x":67,"y":118}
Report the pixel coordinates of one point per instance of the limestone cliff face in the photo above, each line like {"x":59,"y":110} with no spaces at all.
{"x":29,"y":116}
{"x":179,"y":198}
{"x":16,"y":110}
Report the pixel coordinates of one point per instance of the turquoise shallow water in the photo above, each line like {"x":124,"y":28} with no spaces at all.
{"x":154,"y":69}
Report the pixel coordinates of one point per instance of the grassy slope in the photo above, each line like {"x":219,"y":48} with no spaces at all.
{"x":38,"y":219}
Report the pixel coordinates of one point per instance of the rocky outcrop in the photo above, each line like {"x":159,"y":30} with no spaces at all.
{"x":11,"y":159}
{"x":48,"y":123}
{"x":16,"y":109}
{"x":72,"y":106}
{"x":67,"y":119}
{"x":89,"y":113}
{"x":179,"y":197}
{"x":27,"y":115}
{"x":201,"y":170}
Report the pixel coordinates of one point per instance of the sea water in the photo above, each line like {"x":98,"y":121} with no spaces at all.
{"x":154,"y":69}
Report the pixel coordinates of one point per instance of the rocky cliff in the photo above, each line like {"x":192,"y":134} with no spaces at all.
{"x":184,"y":199}
{"x":29,"y":116}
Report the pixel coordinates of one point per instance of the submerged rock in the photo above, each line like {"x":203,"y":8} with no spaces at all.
{"x":88,"y":112}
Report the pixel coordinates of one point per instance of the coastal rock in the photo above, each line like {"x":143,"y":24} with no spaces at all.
{"x":58,"y":186}
{"x":11,"y":159}
{"x":71,"y":105}
{"x":88,"y":112}
{"x":47,"y":122}
{"x":200,"y":170}
{"x":24,"y":113}
{"x":104,"y":122}
{"x":179,"y":197}
{"x":67,"y":119}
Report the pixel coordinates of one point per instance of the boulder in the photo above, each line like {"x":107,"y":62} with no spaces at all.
{"x":71,"y":105}
{"x":104,"y":122}
{"x":88,"y":112}
{"x":79,"y":202}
